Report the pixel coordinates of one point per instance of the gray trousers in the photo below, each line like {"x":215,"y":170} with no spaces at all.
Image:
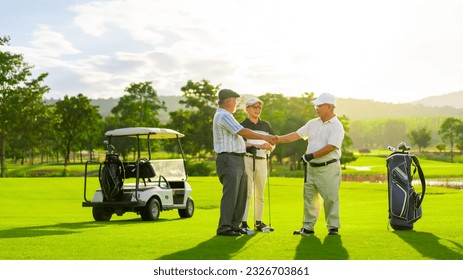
{"x":325,"y":182}
{"x":232,"y":175}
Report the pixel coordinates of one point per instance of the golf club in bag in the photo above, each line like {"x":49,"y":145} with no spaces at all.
{"x":404,"y":203}
{"x":111,"y":176}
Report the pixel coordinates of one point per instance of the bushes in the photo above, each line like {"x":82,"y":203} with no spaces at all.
{"x":198,"y":168}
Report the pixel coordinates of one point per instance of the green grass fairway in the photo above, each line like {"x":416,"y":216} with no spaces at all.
{"x":42,"y":219}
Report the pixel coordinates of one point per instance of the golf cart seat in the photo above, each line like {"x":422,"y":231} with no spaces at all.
{"x":146,"y":170}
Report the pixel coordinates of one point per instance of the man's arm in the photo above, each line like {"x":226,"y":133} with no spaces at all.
{"x":324,"y":151}
{"x":291,"y":137}
{"x":249,"y":134}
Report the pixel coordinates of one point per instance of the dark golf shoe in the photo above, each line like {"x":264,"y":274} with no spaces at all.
{"x":304,"y":232}
{"x":263,"y":227}
{"x":229,"y":232}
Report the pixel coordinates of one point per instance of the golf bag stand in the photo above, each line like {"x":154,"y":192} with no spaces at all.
{"x":404,"y":203}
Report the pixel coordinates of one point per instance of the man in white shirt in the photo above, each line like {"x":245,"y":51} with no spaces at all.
{"x":323,"y":169}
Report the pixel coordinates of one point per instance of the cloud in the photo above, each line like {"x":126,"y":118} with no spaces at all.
{"x":52,"y":44}
{"x":363,"y":49}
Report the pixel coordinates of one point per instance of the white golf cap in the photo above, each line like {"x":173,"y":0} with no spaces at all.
{"x":253,"y":100}
{"x":325,"y":98}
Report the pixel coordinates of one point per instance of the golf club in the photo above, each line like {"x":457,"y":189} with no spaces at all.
{"x":250,"y":231}
{"x":269,"y":228}
{"x":403,"y":146}
{"x":296,"y":232}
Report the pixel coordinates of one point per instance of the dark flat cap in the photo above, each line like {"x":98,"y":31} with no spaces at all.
{"x":227,"y":93}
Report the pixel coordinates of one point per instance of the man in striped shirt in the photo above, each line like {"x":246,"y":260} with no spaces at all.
{"x":230,"y":148}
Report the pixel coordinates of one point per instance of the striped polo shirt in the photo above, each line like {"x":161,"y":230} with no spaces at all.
{"x":225,"y":130}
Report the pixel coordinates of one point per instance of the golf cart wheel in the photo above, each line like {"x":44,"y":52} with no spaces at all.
{"x":151,"y":210}
{"x":189,"y":210}
{"x":101,"y":214}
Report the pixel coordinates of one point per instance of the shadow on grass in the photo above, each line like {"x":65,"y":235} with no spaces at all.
{"x":59,"y":229}
{"x":429,"y":245}
{"x":216,"y":248}
{"x":312,"y":248}
{"x":46,"y":230}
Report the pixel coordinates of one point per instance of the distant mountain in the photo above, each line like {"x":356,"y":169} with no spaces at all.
{"x":356,"y":109}
{"x":454,"y":99}
{"x":172,"y":104}
{"x":106,"y":105}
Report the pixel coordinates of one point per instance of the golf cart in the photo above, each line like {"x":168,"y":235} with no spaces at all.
{"x":143,"y":185}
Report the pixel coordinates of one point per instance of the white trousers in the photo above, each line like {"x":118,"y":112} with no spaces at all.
{"x":256,"y":186}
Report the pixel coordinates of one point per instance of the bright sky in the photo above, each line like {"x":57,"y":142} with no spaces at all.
{"x":393,"y":51}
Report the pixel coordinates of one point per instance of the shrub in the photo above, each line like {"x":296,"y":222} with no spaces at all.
{"x":198,"y":169}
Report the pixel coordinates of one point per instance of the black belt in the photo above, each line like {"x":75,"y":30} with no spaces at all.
{"x":319,"y":164}
{"x":233,"y":154}
{"x":257,"y":157}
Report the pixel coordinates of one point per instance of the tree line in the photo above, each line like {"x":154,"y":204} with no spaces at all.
{"x":435,"y":133}
{"x":31,"y":129}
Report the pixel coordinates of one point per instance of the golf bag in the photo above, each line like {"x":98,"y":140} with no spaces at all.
{"x":404,"y":202}
{"x":111,"y":176}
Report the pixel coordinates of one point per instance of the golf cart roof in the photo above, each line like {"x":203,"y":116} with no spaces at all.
{"x":144,"y":132}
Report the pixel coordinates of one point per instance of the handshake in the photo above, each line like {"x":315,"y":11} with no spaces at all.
{"x":272,"y":139}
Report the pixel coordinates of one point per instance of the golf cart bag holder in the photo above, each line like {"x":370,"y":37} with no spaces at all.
{"x":111,"y":177}
{"x":404,"y":202}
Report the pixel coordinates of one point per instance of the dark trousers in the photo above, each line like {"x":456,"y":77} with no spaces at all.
{"x":232,"y":175}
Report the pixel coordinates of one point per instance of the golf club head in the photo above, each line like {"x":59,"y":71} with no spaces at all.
{"x":267,"y":229}
{"x":403,"y":146}
{"x":250,"y":232}
{"x":390,"y":148}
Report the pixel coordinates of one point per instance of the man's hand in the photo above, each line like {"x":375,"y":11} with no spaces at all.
{"x":307,"y":157}
{"x":251,"y":149}
{"x":266,"y":146}
{"x":272,"y":139}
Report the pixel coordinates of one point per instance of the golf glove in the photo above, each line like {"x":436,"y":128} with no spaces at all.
{"x":251,"y":149}
{"x":307,"y":157}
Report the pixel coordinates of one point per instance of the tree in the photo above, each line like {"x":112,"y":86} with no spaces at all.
{"x":441,"y":147}
{"x":420,"y":137}
{"x":139,"y":107}
{"x":287,"y":114}
{"x":20,"y":95}
{"x":195,"y":121}
{"x":74,"y":117}
{"x":451,"y":131}
{"x":346,"y":155}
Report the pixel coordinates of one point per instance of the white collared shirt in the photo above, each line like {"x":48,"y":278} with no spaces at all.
{"x":319,"y":134}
